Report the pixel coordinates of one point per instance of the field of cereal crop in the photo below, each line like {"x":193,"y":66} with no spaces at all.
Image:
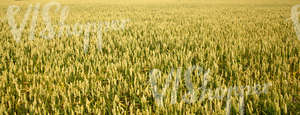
{"x":247,"y":49}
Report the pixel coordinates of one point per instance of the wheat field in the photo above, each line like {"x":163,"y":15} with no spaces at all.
{"x":241,"y":42}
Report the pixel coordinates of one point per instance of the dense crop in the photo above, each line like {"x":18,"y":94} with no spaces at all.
{"x":241,"y":43}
